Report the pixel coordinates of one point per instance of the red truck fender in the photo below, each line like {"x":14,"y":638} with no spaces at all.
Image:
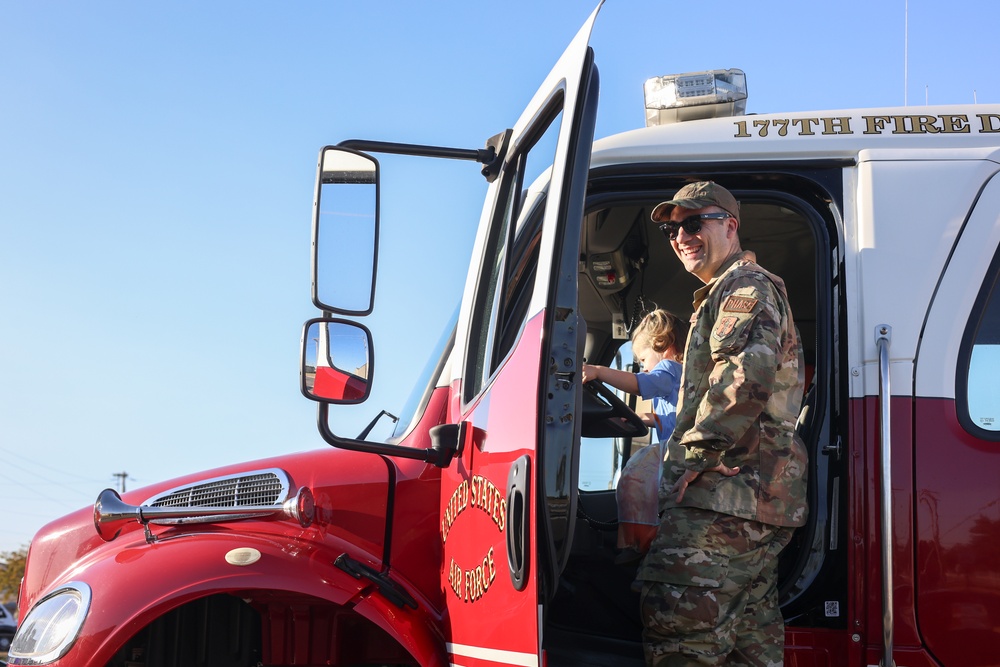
{"x":262,"y":572}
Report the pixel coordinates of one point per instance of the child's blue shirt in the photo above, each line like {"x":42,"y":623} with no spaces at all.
{"x":661,"y":385}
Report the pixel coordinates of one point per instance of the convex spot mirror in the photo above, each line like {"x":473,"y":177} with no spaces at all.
{"x":345,"y":231}
{"x":337,"y":361}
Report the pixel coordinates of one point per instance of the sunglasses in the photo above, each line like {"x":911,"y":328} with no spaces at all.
{"x":691,"y":224}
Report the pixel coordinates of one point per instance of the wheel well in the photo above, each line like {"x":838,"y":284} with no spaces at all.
{"x":256,"y":628}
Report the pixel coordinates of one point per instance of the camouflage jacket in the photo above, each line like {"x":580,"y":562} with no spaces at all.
{"x":741,"y":391}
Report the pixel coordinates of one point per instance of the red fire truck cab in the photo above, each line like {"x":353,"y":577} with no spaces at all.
{"x":483,"y":533}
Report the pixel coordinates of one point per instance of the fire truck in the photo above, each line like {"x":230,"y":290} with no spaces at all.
{"x":482,"y":532}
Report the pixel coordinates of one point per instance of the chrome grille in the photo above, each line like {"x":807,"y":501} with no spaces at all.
{"x":260,"y":488}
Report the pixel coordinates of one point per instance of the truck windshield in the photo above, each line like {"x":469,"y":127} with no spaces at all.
{"x":427,"y":380}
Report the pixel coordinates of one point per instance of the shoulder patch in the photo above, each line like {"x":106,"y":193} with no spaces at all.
{"x":725,"y":327}
{"x":739,"y":304}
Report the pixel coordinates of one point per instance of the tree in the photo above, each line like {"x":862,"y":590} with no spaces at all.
{"x":11,"y":573}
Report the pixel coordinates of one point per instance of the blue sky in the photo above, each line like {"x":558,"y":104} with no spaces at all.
{"x":156,"y":178}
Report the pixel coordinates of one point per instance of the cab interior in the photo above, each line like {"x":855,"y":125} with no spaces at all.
{"x":627,"y":268}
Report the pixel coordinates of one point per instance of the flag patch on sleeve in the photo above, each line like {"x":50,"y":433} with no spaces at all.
{"x":725,"y":327}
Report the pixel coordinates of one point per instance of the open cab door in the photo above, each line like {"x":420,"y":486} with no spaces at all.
{"x":509,"y":493}
{"x":509,"y":454}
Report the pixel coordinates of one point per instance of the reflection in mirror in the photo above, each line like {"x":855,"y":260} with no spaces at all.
{"x":336,"y":361}
{"x":345,"y":232}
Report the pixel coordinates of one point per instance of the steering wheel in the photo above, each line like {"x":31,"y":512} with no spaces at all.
{"x":607,"y":416}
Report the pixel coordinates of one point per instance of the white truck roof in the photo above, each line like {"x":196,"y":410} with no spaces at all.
{"x":811,"y":135}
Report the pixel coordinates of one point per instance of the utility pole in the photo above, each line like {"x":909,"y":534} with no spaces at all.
{"x":122,"y":476}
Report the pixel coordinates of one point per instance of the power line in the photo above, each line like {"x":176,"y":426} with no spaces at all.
{"x":19,"y":456}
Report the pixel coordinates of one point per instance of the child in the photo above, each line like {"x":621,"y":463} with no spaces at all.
{"x":657,"y":344}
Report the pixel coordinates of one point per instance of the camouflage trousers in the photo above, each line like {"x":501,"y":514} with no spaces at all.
{"x":709,"y":591}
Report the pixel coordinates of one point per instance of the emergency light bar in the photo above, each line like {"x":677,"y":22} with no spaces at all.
{"x":710,"y":94}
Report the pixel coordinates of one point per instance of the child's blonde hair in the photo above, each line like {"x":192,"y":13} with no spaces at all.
{"x":661,"y":330}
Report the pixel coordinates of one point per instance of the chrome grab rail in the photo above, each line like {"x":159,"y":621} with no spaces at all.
{"x":883,"y":335}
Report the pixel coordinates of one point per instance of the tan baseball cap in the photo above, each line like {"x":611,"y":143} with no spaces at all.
{"x":698,"y":195}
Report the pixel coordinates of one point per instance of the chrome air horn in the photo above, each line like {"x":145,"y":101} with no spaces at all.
{"x":111,"y":513}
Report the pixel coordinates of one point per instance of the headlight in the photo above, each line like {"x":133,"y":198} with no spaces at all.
{"x":51,"y":627}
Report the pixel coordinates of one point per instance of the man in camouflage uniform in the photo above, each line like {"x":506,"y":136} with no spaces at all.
{"x":734,"y":478}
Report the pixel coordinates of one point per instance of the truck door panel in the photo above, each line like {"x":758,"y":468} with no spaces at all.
{"x":898,"y":248}
{"x":494,"y":520}
{"x":902,"y":243}
{"x":957,"y":448}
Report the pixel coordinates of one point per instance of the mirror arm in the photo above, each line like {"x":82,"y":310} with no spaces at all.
{"x":483,"y":155}
{"x":371,"y":424}
{"x":496,"y":148}
{"x":498,"y":144}
{"x":437,"y":457}
{"x":446,"y":441}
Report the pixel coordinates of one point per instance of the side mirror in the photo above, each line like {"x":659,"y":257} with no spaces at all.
{"x":337,"y":361}
{"x":345,"y":231}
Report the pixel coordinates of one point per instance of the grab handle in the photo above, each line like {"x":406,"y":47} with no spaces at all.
{"x":518,"y":525}
{"x":883,"y":335}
